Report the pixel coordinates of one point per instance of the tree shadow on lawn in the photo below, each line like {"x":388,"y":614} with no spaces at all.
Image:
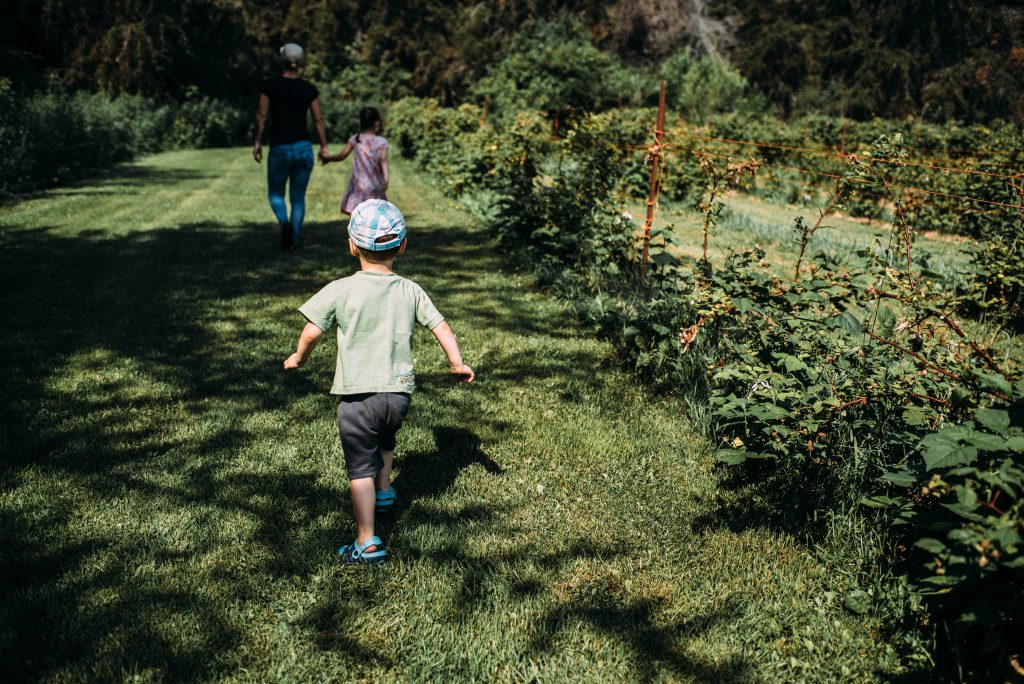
{"x":759,"y":494}
{"x":601,"y":605}
{"x":112,"y":349}
{"x":753,"y":499}
{"x":123,"y":179}
{"x":76,"y":443}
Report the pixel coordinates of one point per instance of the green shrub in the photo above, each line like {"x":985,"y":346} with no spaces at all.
{"x":961,"y":501}
{"x":554,"y":67}
{"x":701,"y":86}
{"x":53,"y":135}
{"x":200,"y":121}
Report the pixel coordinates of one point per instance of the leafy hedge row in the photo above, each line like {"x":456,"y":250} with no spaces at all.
{"x":56,"y":135}
{"x":868,"y":388}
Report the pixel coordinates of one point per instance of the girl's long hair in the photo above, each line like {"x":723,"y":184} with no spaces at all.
{"x":368,"y":116}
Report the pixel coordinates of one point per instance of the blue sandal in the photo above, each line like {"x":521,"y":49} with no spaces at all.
{"x":356,"y":553}
{"x":385,"y":500}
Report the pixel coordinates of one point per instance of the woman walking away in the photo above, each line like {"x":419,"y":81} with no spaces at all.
{"x":369,"y":163}
{"x":287,"y":98}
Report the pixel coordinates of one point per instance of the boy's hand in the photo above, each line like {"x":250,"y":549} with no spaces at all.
{"x":294,"y":361}
{"x":463,"y":373}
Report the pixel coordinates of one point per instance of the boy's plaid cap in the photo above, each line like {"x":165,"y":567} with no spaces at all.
{"x":374,"y":219}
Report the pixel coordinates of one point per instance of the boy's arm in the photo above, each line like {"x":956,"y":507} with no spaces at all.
{"x":307,"y":340}
{"x":446,"y":338}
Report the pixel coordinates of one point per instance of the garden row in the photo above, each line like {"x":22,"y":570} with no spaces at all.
{"x":954,"y":179}
{"x":885,"y":400}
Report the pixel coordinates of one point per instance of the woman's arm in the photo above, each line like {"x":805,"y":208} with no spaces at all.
{"x":261,"y":120}
{"x":318,"y":123}
{"x":345,"y":151}
{"x":384,"y":166}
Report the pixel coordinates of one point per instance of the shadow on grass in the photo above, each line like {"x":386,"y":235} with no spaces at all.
{"x":601,"y":605}
{"x":754,"y":497}
{"x":119,"y":180}
{"x":92,"y":319}
{"x":134,"y":367}
{"x":107,"y":337}
{"x":449,"y":262}
{"x":429,"y":474}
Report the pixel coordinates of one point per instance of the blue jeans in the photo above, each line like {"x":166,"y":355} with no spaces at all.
{"x":292,"y":164}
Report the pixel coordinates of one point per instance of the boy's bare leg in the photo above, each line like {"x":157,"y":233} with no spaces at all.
{"x":364,"y":500}
{"x":383,"y":478}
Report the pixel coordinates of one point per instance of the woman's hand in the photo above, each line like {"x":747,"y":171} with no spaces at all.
{"x":257,"y":151}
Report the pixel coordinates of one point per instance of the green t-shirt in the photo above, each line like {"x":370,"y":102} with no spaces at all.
{"x":375,"y":313}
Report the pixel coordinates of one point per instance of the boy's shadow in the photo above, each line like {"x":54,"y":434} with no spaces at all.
{"x":431,"y":473}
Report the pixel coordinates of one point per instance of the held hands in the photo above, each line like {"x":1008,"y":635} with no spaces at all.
{"x":324,"y":156}
{"x":463,"y":372}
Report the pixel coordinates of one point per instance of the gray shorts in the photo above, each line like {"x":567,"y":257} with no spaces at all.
{"x":367,"y":424}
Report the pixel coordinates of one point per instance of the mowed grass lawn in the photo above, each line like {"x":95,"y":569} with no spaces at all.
{"x":171,"y":500}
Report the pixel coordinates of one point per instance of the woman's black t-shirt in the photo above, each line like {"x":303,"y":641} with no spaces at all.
{"x":289,"y":102}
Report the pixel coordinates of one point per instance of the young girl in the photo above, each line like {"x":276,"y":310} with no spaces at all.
{"x":369,"y":165}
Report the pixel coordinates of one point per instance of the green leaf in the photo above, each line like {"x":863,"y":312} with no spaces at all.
{"x":930,"y":545}
{"x":858,"y":601}
{"x":768,"y":412}
{"x":996,"y":420}
{"x":994,"y":381}
{"x":901,"y":479}
{"x":942,"y":580}
{"x":742,"y":304}
{"x":886,"y":321}
{"x":849,"y":323}
{"x":967,"y":497}
{"x":793,"y":364}
{"x":915,"y":417}
{"x":945,"y":451}
{"x":731,"y":456}
{"x":987,"y":442}
{"x":879,"y":501}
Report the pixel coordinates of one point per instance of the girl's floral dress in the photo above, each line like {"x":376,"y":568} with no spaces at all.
{"x":367,"y":180}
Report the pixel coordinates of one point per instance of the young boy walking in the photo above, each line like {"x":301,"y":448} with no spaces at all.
{"x":374,"y":310}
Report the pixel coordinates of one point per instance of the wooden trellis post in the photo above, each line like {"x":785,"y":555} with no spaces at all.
{"x":652,"y":194}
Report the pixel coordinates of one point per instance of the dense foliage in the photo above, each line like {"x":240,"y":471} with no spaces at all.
{"x":867,"y":389}
{"x":949,"y":59}
{"x":191,"y":60}
{"x":55,"y":135}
